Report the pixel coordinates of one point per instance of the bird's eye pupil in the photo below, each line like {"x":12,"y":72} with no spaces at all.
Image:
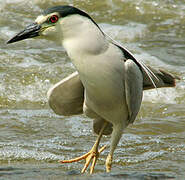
{"x":53,"y":19}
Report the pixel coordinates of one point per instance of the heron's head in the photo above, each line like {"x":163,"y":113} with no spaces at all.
{"x":56,"y":23}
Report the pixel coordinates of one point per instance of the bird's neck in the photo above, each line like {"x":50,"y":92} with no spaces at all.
{"x":83,"y":39}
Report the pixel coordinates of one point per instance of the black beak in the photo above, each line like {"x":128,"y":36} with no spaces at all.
{"x":29,"y":32}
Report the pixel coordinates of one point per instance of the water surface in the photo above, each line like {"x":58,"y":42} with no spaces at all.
{"x":33,"y":138}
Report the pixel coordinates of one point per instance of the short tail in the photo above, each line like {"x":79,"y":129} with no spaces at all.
{"x":165,"y":79}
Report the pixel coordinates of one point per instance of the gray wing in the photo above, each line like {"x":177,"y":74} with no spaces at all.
{"x":67,"y":96}
{"x":133,"y":88}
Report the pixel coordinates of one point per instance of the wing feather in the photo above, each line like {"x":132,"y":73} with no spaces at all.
{"x":133,"y":88}
{"x":67,"y":96}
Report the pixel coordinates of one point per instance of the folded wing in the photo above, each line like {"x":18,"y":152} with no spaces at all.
{"x":67,"y":96}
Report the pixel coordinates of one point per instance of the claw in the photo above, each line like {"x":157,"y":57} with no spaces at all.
{"x":92,"y":155}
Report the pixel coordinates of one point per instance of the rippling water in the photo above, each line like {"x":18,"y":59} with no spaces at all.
{"x":33,"y":138}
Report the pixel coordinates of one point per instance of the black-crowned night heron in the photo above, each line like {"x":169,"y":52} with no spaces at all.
{"x":109,"y":82}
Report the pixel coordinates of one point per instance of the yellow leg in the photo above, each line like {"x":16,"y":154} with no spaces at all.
{"x":93,"y":154}
{"x":108,"y":163}
{"x":115,"y":137}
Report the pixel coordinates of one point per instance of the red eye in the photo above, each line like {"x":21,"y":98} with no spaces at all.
{"x":53,"y":19}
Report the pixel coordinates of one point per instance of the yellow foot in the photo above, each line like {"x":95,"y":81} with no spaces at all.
{"x":93,"y":155}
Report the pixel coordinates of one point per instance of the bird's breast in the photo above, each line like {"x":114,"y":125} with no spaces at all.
{"x":103,"y":79}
